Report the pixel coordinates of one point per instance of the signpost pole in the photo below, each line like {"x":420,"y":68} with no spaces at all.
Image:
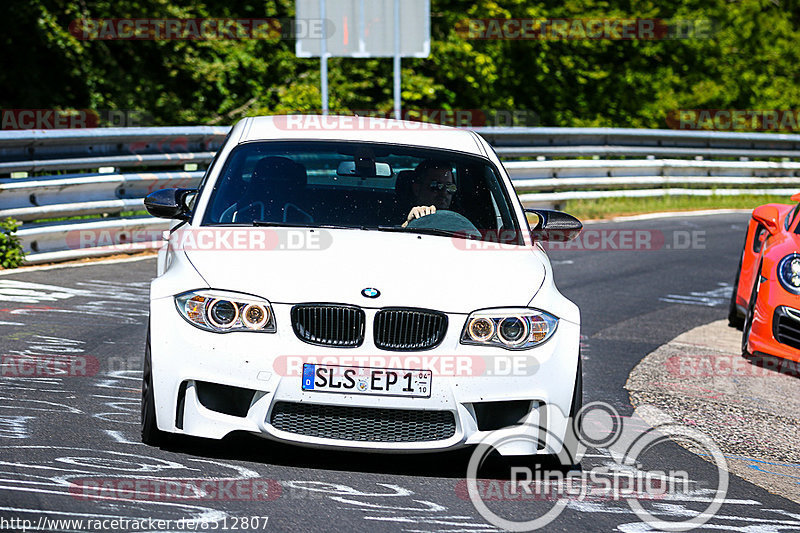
{"x":397,"y":111}
{"x":323,"y":59}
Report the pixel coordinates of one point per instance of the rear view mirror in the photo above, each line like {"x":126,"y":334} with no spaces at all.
{"x":555,"y":226}
{"x":364,"y":169}
{"x":170,"y":203}
{"x":768,"y":216}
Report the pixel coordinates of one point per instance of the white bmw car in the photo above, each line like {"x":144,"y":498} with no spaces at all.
{"x":359,"y":284}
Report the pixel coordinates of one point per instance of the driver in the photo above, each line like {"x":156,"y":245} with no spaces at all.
{"x":432,"y":187}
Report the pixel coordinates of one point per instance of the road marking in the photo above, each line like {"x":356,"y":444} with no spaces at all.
{"x":33,"y":293}
{"x":119,"y":437}
{"x":712,"y":298}
{"x":14,"y":427}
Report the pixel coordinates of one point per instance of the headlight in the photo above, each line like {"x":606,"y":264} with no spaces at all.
{"x":222,"y":311}
{"x":789,"y":273}
{"x":513,"y":328}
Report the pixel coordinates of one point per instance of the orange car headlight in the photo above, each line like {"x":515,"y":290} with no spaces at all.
{"x":789,"y":273}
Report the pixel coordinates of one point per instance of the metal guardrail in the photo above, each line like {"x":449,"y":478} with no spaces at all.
{"x":629,"y":142}
{"x":155,"y":158}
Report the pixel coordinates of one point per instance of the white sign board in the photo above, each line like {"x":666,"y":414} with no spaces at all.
{"x":366,"y":28}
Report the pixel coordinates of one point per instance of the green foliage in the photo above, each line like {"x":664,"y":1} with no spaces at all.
{"x":11,"y":254}
{"x":749,"y":61}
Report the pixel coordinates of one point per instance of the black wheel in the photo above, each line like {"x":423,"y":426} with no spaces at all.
{"x":151,"y":435}
{"x":751,"y":309}
{"x":735,"y":320}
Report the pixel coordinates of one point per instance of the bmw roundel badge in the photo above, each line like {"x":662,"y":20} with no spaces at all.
{"x":369,"y":292}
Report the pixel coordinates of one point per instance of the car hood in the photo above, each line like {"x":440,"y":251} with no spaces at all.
{"x":335,"y":265}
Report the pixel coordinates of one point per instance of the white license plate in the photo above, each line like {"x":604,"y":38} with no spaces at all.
{"x":366,"y":380}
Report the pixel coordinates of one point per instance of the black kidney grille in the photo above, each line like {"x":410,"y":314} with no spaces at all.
{"x":363,"y":423}
{"x":329,"y":325}
{"x":409,"y":329}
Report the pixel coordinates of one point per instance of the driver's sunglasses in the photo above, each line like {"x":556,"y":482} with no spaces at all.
{"x":438,"y":186}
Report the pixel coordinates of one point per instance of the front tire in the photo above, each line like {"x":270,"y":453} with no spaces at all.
{"x":735,"y":320}
{"x":751,"y":309}
{"x":151,"y":435}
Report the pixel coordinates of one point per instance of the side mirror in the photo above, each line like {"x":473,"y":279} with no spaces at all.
{"x":554,"y":226}
{"x":169,"y":203}
{"x":768,"y":216}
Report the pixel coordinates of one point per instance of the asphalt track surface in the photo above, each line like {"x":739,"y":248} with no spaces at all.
{"x":56,"y":432}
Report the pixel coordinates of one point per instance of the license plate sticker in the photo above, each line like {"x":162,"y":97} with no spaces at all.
{"x":367,"y":380}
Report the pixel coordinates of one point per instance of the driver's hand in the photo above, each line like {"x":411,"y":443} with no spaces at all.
{"x":419,"y":211}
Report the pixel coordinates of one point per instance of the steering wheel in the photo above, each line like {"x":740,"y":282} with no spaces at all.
{"x":446,"y":220}
{"x":291,"y":213}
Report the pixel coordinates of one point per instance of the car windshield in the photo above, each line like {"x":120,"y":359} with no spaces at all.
{"x":361,"y":185}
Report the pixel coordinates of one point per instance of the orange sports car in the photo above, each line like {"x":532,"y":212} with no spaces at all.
{"x":766,"y":294}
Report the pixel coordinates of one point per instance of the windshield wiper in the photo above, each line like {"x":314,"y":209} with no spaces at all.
{"x":431,"y":231}
{"x":269,"y":223}
{"x":290,"y":224}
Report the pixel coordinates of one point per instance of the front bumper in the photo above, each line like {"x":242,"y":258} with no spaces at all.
{"x":187,"y":362}
{"x":776,"y":315}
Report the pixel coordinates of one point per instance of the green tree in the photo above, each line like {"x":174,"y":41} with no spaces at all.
{"x":747,"y":62}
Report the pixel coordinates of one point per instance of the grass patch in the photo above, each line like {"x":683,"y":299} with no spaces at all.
{"x":613,"y":207}
{"x":94,"y":217}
